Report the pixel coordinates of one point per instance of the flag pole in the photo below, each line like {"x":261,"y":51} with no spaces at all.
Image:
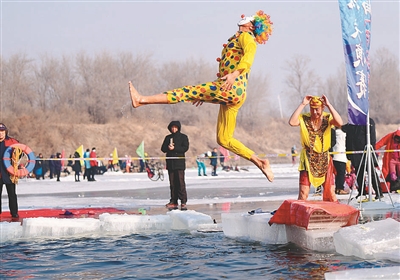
{"x":369,"y":160}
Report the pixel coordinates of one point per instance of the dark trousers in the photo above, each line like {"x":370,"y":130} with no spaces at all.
{"x":51,"y":172}
{"x":92,"y":172}
{"x":77,"y":173}
{"x":214,"y":170}
{"x":340,"y":174}
{"x":86,"y":173}
{"x":177,"y":186}
{"x":12,"y":197}
{"x":374,"y":178}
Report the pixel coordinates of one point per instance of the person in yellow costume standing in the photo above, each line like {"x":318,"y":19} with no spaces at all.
{"x":315,"y":164}
{"x":229,"y":90}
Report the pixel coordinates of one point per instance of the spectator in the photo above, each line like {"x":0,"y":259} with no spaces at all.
{"x":201,"y":166}
{"x":52,"y":166}
{"x":39,"y":167}
{"x":176,"y":145}
{"x":70,"y":162}
{"x":57,"y":166}
{"x":294,"y":154}
{"x":87,"y":172}
{"x":5,"y":142}
{"x":339,"y":161}
{"x":93,"y":164}
{"x":46,"y":166}
{"x":356,"y":140}
{"x":142,"y":166}
{"x":391,"y":158}
{"x":128,"y":164}
{"x":77,"y":167}
{"x":111,"y":166}
{"x":222,"y":161}
{"x":214,"y":162}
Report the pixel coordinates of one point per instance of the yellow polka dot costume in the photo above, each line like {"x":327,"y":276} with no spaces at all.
{"x":237,"y":54}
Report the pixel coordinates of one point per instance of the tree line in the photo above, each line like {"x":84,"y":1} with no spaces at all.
{"x":92,"y":89}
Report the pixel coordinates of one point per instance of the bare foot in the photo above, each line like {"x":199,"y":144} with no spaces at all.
{"x":263,"y":165}
{"x":135,"y":96}
{"x":266,"y":169}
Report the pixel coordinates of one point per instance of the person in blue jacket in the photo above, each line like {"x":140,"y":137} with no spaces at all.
{"x":87,"y":173}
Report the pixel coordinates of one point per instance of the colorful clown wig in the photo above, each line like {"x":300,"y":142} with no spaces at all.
{"x":263,"y":27}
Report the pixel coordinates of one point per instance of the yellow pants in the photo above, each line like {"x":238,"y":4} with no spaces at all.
{"x":225,"y":128}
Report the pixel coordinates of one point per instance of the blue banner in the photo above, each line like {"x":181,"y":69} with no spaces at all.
{"x":356,"y":30}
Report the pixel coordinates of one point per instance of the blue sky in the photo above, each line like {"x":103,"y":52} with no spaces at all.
{"x":176,"y":30}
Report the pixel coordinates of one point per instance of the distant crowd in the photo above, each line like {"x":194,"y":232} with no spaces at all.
{"x":54,"y":167}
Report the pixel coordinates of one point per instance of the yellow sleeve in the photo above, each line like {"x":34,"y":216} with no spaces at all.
{"x":327,"y":133}
{"x":348,"y":166}
{"x":249,"y":47}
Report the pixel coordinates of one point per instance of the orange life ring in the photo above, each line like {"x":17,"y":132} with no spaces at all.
{"x":22,"y":170}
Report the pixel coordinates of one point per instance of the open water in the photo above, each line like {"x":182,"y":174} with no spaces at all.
{"x":170,"y":255}
{"x":173,"y":255}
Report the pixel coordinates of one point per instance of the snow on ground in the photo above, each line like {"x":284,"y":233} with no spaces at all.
{"x":134,"y":190}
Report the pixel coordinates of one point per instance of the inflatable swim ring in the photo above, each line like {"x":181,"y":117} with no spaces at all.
{"x":22,"y":170}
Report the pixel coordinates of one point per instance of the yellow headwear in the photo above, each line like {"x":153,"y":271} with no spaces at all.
{"x":315,"y":102}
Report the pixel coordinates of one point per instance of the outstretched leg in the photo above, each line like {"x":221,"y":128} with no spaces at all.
{"x":264,"y":166}
{"x":225,"y":129}
{"x":139,"y":100}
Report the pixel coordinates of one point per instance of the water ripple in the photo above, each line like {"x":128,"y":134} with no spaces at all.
{"x":168,"y":255}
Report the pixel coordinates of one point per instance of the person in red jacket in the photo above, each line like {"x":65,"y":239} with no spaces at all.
{"x":391,"y":159}
{"x":5,"y":142}
{"x":93,"y":164}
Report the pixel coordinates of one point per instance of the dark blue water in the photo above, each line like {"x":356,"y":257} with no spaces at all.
{"x":173,"y":255}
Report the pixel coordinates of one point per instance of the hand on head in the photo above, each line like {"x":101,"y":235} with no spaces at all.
{"x":307,"y":99}
{"x":324,"y":100}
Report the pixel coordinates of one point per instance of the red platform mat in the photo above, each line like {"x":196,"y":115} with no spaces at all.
{"x":60,"y":213}
{"x":315,"y":214}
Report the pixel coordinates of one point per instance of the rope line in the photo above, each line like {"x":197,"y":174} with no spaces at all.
{"x":164,"y":158}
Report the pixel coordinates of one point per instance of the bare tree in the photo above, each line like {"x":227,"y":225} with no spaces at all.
{"x":15,"y":84}
{"x":301,"y":80}
{"x":258,"y":103}
{"x":384,"y":90}
{"x":335,"y":88}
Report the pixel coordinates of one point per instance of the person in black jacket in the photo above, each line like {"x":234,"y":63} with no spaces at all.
{"x":176,"y":145}
{"x":5,"y":142}
{"x":356,"y":140}
{"x":52,"y":166}
{"x":57,"y":167}
{"x":77,"y":167}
